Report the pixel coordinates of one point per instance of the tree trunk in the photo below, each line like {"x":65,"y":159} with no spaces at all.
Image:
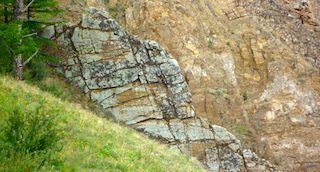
{"x":18,"y":67}
{"x":28,"y":12}
{"x":6,"y":19}
{"x":18,"y":10}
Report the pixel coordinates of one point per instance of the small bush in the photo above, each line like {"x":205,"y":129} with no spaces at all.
{"x":30,"y":135}
{"x":35,"y":71}
{"x":241,"y":130}
{"x":30,"y":132}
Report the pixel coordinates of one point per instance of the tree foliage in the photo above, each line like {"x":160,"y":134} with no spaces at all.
{"x":19,"y":30}
{"x":15,"y":40}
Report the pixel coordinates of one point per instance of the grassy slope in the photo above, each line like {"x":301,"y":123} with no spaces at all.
{"x":92,"y":143}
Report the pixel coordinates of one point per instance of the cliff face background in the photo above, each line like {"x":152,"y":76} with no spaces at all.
{"x":251,"y":66}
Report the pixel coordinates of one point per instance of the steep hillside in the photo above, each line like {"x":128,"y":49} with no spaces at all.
{"x":251,"y":66}
{"x":89,"y":143}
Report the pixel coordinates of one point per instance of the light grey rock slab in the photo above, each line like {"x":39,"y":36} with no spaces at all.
{"x":89,"y":41}
{"x":195,"y":131}
{"x":213,"y":161}
{"x":156,"y":129}
{"x":177,"y":128}
{"x":136,"y":114}
{"x":48,"y":32}
{"x":221,"y":135}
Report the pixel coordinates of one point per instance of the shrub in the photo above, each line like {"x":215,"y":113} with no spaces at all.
{"x":35,"y":71}
{"x":30,"y":135}
{"x":241,"y":130}
{"x":30,"y":132}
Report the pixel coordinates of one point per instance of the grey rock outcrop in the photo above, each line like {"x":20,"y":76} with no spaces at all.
{"x":140,"y":84}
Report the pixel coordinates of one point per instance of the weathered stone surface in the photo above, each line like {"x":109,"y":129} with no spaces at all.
{"x":178,"y":129}
{"x":254,"y":163}
{"x":98,"y":19}
{"x":234,"y":51}
{"x":222,"y":135}
{"x":213,"y":159}
{"x":89,"y":41}
{"x":156,"y":129}
{"x":48,"y":32}
{"x":196,"y":131}
{"x":230,"y":161}
{"x":141,"y":85}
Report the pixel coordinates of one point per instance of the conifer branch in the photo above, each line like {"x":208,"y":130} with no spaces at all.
{"x":30,"y":58}
{"x":26,"y":8}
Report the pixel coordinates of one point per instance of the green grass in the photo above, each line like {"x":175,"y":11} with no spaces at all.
{"x":240,"y":130}
{"x":89,"y":143}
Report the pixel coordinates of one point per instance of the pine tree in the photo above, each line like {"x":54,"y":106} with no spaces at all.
{"x":20,"y":22}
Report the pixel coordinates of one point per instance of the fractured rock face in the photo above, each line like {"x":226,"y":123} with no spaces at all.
{"x":141,"y":85}
{"x":251,"y":65}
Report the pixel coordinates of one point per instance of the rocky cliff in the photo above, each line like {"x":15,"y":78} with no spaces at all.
{"x":252,"y":66}
{"x":140,"y":84}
